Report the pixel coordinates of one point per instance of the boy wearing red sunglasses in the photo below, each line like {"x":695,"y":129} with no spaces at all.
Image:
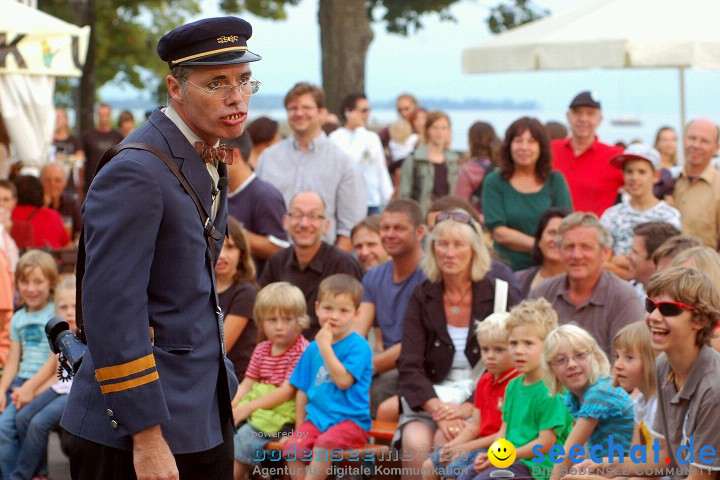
{"x":683,"y":309}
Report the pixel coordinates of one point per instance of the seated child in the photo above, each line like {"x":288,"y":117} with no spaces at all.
{"x":476,"y":437}
{"x":575,"y":364}
{"x":265,"y":403}
{"x":333,"y":381}
{"x":36,"y":276}
{"x":683,"y":307}
{"x":634,"y":370}
{"x":41,"y":416}
{"x":532,"y":417}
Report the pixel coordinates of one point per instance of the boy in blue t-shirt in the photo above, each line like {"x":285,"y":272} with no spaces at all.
{"x":333,"y":380}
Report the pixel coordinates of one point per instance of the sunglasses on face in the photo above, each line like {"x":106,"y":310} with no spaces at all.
{"x":667,"y":309}
{"x":461,"y":217}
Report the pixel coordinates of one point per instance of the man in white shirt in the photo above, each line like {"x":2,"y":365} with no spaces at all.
{"x":365,"y":149}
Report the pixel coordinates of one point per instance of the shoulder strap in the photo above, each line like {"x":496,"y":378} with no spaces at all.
{"x":32,"y":214}
{"x":211,"y":233}
{"x":501,"y":293}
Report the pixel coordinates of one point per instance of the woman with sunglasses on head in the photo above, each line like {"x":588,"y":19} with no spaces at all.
{"x":431,"y":171}
{"x":524,"y":186}
{"x":440,"y":349}
{"x":683,"y":307}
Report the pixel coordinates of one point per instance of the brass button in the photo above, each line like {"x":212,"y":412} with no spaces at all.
{"x":110,"y":413}
{"x":113,"y":424}
{"x":437,"y":343}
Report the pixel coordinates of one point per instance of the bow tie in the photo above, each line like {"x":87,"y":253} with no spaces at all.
{"x":222,"y":153}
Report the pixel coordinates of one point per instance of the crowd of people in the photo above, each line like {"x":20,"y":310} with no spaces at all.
{"x":544,"y":287}
{"x":577,"y":238}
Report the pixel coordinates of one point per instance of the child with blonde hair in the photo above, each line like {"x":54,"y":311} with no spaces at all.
{"x":38,"y":418}
{"x":264,"y":404}
{"x":574,"y":363}
{"x":35,"y":278}
{"x":533,"y":418}
{"x":460,"y":452}
{"x":634,"y":369}
{"x":683,"y":308}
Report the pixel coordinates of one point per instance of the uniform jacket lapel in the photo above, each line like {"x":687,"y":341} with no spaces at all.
{"x":185,"y":156}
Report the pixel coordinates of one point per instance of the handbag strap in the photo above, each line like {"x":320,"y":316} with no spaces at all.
{"x":210,"y":232}
{"x":501,"y":294}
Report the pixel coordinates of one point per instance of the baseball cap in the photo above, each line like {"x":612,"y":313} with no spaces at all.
{"x":584,"y":99}
{"x":637,"y":151}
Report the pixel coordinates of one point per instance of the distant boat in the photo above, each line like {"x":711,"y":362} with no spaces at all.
{"x":626,"y":122}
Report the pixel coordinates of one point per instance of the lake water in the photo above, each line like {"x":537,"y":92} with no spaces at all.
{"x":500,"y":119}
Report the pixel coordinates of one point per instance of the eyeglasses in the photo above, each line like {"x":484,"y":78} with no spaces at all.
{"x":563,"y":361}
{"x":313,"y":217}
{"x":667,"y":309}
{"x":247,"y":87}
{"x":461,"y":217}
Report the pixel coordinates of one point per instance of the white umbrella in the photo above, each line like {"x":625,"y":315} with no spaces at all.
{"x":34,"y":49}
{"x":609,"y":34}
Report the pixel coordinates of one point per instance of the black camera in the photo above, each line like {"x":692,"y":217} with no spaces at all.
{"x":63,"y":342}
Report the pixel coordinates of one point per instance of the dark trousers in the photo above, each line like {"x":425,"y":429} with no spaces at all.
{"x":92,"y":461}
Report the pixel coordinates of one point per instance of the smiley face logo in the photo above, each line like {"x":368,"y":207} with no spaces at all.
{"x":501,"y":453}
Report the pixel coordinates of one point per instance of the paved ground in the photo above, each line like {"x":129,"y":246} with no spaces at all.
{"x":58,"y":463}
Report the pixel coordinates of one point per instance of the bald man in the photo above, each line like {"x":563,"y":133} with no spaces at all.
{"x":309,"y":259}
{"x":699,"y":183}
{"x":54,"y":180}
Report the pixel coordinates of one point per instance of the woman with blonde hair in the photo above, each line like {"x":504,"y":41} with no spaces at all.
{"x":435,"y":373}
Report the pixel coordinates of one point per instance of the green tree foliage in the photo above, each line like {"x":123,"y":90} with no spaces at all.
{"x":508,"y":15}
{"x":123,"y":41}
{"x":125,"y":35}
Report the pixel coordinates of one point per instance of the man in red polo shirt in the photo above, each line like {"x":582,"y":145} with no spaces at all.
{"x":585,"y":161}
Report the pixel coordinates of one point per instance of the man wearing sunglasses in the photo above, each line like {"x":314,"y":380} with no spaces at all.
{"x":365,"y":149}
{"x":153,"y":394}
{"x":588,"y":295}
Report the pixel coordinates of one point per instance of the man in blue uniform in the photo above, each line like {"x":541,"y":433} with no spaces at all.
{"x":152,"y":397}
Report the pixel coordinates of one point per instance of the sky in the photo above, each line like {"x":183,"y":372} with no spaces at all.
{"x":428,"y":64}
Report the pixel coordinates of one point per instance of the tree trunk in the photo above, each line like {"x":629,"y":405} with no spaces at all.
{"x":85,"y":102}
{"x":345,"y":36}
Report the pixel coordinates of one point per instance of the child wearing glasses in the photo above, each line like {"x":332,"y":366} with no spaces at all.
{"x":575,"y":364}
{"x":532,"y":416}
{"x":683,"y":308}
{"x":634,"y":369}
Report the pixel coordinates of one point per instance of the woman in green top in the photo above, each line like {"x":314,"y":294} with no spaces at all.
{"x":522,"y":188}
{"x":430,"y":172}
